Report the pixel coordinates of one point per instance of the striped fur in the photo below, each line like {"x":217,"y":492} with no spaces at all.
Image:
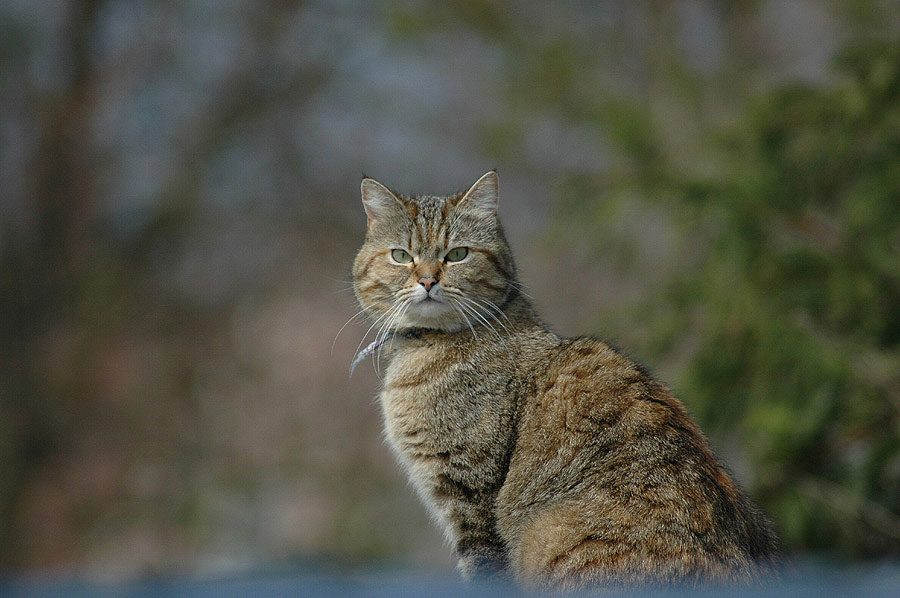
{"x":554,"y":461}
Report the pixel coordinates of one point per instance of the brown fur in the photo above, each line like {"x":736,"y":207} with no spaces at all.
{"x":558,"y":461}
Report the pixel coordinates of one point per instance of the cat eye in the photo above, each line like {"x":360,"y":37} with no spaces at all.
{"x":400,"y":256}
{"x":456,"y":254}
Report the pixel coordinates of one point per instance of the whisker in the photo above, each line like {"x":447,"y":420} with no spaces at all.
{"x":464,"y":303}
{"x":381,"y":320}
{"x":498,"y":309}
{"x":387,"y":329}
{"x":379,"y":336}
{"x":401,"y":302}
{"x":375,"y":323}
{"x":331,"y":278}
{"x":493,"y":313}
{"x":480,"y":317}
{"x":493,"y":309}
{"x":457,"y":306}
{"x":403,"y":313}
{"x":353,"y":317}
{"x":391,"y":329}
{"x":487,"y":323}
{"x":519,"y":287}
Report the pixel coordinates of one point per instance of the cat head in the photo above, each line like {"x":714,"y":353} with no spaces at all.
{"x":437,"y":262}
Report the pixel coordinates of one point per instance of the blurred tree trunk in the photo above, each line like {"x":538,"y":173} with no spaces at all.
{"x":41,"y":280}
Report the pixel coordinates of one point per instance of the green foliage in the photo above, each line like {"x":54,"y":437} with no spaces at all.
{"x":796,"y":303}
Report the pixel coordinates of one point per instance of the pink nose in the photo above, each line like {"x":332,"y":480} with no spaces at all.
{"x":427,"y":281}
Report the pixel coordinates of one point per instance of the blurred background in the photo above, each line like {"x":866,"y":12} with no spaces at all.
{"x":713,"y":185}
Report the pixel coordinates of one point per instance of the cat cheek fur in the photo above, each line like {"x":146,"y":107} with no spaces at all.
{"x":556,"y":461}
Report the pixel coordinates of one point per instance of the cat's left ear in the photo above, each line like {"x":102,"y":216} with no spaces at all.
{"x":484,"y":195}
{"x":378,"y":200}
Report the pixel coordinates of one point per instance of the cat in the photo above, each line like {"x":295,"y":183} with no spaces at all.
{"x":557,"y":462}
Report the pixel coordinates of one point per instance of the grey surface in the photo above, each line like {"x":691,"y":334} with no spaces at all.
{"x":809,"y":580}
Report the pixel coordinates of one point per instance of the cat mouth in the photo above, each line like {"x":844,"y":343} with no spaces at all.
{"x":430,"y":302}
{"x":429,"y":306}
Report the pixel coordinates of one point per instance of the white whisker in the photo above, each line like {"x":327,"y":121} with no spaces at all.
{"x":374,"y":324}
{"x":519,"y":287}
{"x":493,"y":310}
{"x":409,"y":302}
{"x":457,"y":306}
{"x":464,"y":303}
{"x":385,"y":329}
{"x":353,"y":317}
{"x":388,"y":329}
{"x":480,"y":316}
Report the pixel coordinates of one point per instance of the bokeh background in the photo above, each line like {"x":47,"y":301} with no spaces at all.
{"x":713,"y":185}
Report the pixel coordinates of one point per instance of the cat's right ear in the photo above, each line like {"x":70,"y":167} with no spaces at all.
{"x":483,"y":195}
{"x":378,"y":200}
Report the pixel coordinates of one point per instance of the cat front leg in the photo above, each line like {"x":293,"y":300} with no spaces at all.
{"x":485,"y":562}
{"x":471,"y":521}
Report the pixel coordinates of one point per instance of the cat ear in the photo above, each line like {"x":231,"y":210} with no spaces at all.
{"x":484,"y":194}
{"x":378,"y":200}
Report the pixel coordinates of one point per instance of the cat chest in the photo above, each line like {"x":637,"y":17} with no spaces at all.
{"x":450,"y":430}
{"x":429,"y":410}
{"x":416,"y":421}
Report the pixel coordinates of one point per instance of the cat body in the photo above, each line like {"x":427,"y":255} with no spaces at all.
{"x":556,"y":461}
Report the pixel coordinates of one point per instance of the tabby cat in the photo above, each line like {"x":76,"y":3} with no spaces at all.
{"x":556,"y":461}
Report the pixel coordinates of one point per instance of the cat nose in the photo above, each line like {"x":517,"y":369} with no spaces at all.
{"x":428,"y":281}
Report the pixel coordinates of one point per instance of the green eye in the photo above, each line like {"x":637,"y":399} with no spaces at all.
{"x":400,"y":256}
{"x":456,"y":254}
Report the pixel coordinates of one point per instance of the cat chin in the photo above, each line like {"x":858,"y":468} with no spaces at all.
{"x":431,"y":314}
